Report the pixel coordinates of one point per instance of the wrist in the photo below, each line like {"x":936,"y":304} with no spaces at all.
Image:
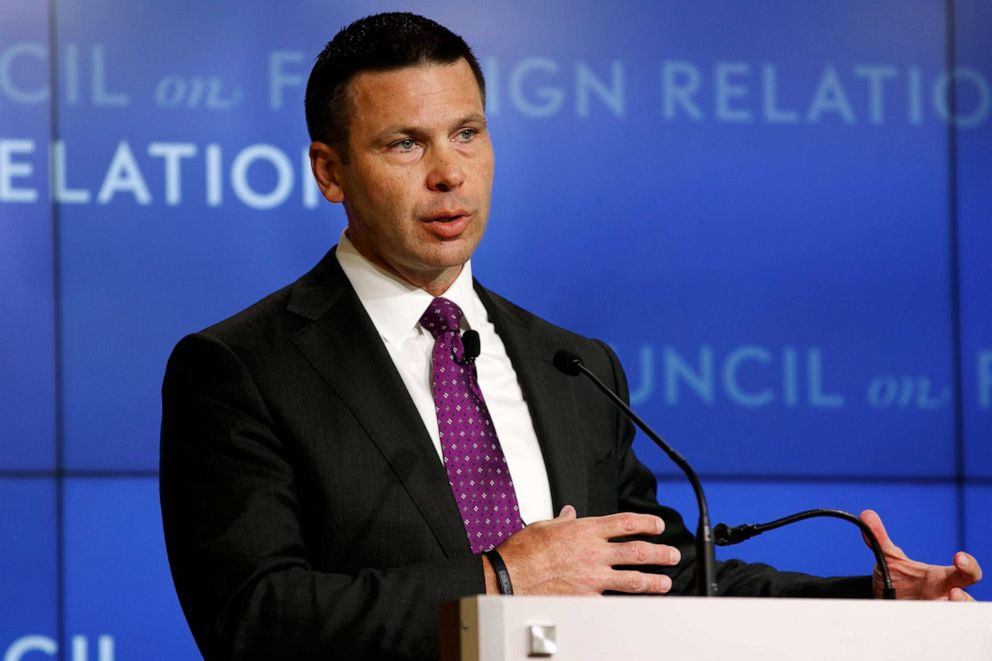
{"x":489,"y":574}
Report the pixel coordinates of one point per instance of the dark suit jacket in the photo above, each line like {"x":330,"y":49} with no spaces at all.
{"x":306,"y":512}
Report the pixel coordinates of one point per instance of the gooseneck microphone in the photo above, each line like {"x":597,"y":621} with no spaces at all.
{"x":725,"y":536}
{"x":705,"y":569}
{"x":472,"y":344}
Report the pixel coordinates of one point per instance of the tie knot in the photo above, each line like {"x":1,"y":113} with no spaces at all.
{"x":441,"y":315}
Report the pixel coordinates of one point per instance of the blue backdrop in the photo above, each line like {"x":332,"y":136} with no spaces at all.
{"x":778,"y":213}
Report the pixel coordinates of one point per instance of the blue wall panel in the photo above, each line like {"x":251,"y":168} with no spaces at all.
{"x":978,"y":533}
{"x":27,"y":297}
{"x":117,"y":582}
{"x":974,"y":140}
{"x":140,"y":272}
{"x":28,"y":556}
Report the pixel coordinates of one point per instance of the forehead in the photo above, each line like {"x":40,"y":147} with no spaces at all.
{"x":423,"y":92}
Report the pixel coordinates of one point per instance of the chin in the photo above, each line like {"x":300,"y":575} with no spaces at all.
{"x":451,"y":253}
{"x":444,"y":264}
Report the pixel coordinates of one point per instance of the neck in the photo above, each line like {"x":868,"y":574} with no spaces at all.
{"x":438,"y":286}
{"x":435,"y":283}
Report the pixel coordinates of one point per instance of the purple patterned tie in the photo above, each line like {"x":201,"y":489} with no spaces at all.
{"x":473,"y":458}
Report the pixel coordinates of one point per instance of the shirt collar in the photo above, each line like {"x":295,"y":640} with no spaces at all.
{"x":395,"y":305}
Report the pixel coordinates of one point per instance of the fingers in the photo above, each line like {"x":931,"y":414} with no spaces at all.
{"x":626,"y":524}
{"x":635,"y":582}
{"x":957,"y":594}
{"x":568,"y":555}
{"x":643,"y":553}
{"x":874,"y":522}
{"x":967,"y":570}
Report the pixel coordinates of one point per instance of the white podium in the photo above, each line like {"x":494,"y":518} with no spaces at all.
{"x":515,"y":628}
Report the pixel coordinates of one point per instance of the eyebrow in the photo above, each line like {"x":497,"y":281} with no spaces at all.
{"x":475,"y":117}
{"x":415,"y":131}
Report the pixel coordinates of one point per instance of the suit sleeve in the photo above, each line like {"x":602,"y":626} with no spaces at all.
{"x":638,"y":493}
{"x":236,"y":546}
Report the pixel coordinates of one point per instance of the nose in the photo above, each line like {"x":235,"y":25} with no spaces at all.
{"x":446,"y":172}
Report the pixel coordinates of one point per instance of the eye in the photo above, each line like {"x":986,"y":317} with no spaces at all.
{"x":405,"y":145}
{"x":466,"y":135}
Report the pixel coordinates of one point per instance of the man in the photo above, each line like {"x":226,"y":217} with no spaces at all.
{"x":320,"y":493}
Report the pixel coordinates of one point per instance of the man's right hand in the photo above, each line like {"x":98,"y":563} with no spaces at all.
{"x":568,"y":555}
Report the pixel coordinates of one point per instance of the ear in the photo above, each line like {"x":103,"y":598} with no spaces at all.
{"x":325,"y":163}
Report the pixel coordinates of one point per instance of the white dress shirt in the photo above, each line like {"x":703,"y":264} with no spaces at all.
{"x":395,"y":307}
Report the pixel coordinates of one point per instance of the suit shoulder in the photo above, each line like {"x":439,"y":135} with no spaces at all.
{"x":244,"y":330}
{"x":544,"y":339}
{"x":254,"y":319}
{"x":551,"y":332}
{"x":274,"y":318}
{"x":241,"y":339}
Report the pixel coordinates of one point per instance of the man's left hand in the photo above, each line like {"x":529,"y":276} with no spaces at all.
{"x":917,"y":580}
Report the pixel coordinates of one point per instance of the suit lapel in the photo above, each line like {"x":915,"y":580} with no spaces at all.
{"x":549,"y":398}
{"x":344,"y":347}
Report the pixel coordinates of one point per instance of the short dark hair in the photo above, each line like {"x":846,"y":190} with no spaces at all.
{"x":382,"y":42}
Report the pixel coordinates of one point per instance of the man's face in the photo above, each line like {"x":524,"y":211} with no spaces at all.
{"x":418,"y":181}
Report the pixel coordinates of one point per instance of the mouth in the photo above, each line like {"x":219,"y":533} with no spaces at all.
{"x":447,"y":223}
{"x":446,"y":216}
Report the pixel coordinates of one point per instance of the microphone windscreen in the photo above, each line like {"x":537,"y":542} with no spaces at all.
{"x":568,"y":362}
{"x":721,"y":535}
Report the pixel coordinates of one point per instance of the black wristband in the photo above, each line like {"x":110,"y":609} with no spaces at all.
{"x":499,"y":567}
